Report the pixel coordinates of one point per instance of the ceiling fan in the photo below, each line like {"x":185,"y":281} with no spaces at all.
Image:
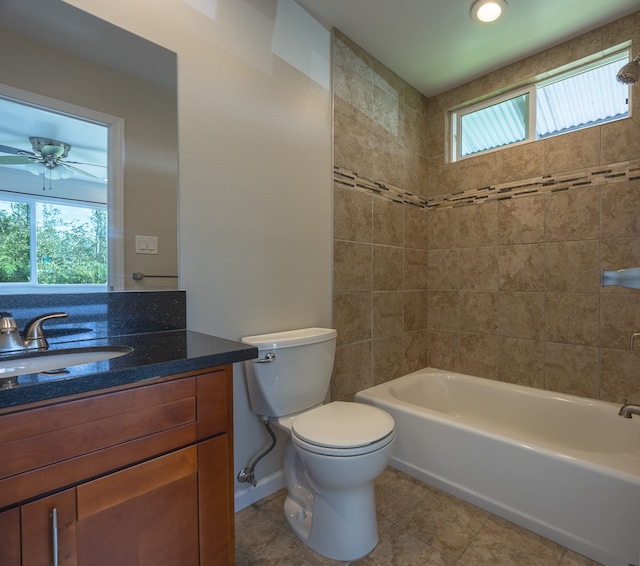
{"x":49,"y":153}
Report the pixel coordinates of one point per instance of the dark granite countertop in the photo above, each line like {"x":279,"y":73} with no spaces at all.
{"x":155,"y":354}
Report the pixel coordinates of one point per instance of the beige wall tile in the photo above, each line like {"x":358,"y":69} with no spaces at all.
{"x":353,"y":146}
{"x":416,"y":234}
{"x":478,"y":312}
{"x":521,"y":162}
{"x":387,"y":268}
{"x":521,"y":315}
{"x":479,"y":355}
{"x":443,"y":349}
{"x":521,"y":361}
{"x":443,"y":227}
{"x":619,"y":375}
{"x":388,"y":222}
{"x":388,"y":358}
{"x":619,"y":319}
{"x":572,"y":369}
{"x":443,"y":310}
{"x":415,"y":310}
{"x":572,"y":215}
{"x":415,"y":169}
{"x":572,"y":318}
{"x":352,"y":215}
{"x":575,"y":150}
{"x":352,"y":267}
{"x":521,"y":267}
{"x":388,"y":313}
{"x":620,"y":140}
{"x":415,"y":131}
{"x":521,"y":220}
{"x":479,"y":225}
{"x":444,"y":269}
{"x":572,"y":267}
{"x":388,"y":81}
{"x":351,"y":369}
{"x":352,"y":56}
{"x":442,"y":178}
{"x":415,"y":269}
{"x":479,"y":269}
{"x":388,"y":114}
{"x":353,"y":94}
{"x":415,"y":350}
{"x":388,"y":160}
{"x":621,"y":210}
{"x":352,"y":317}
{"x":480,"y":171}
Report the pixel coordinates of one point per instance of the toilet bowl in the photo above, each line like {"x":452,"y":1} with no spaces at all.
{"x":334,"y":451}
{"x":330,"y":503}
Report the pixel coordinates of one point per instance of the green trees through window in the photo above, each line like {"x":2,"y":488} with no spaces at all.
{"x":44,"y":243}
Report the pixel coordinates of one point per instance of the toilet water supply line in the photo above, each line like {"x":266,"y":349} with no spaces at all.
{"x":246,"y":474}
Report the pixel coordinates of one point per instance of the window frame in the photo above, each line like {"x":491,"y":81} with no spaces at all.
{"x":558,"y":75}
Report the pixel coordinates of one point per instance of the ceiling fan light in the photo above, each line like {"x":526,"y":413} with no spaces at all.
{"x":487,"y":11}
{"x":34,"y":168}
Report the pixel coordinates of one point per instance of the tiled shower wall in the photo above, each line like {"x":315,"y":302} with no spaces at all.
{"x":380,"y":243}
{"x":509,"y":288}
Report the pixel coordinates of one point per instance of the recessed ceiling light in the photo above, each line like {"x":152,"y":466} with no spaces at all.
{"x":487,"y":11}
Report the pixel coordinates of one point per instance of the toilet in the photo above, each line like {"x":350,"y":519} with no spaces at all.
{"x":334,"y":451}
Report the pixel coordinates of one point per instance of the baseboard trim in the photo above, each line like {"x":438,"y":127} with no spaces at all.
{"x":249,"y":495}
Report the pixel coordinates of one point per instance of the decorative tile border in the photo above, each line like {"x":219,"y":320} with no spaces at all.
{"x":590,"y":177}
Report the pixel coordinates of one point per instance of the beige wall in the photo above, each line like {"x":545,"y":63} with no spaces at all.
{"x":513,"y":285}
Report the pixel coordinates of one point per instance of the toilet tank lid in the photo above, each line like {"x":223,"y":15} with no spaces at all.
{"x":290,"y":338}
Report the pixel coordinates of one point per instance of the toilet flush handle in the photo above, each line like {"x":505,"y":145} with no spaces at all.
{"x":270,"y":357}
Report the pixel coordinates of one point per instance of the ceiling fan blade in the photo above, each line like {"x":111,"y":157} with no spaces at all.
{"x":15,"y":150}
{"x":15,"y":160}
{"x":82,"y":163}
{"x":79,"y":170}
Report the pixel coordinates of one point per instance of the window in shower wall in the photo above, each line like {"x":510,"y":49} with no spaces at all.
{"x":585,"y":96}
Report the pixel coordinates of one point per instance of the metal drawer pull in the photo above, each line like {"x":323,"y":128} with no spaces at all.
{"x":270,"y":357}
{"x":54,"y":535}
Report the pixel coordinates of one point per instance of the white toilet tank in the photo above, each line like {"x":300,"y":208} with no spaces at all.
{"x":292,"y":372}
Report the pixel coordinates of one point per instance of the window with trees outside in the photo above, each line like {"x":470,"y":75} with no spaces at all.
{"x":45,"y":242}
{"x":563,"y":102}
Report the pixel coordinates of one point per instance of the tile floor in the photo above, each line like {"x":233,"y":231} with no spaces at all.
{"x":418,"y":524}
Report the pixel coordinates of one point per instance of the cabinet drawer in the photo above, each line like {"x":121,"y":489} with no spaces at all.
{"x":52,"y":434}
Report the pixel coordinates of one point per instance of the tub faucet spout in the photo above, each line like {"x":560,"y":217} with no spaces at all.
{"x":628,"y":410}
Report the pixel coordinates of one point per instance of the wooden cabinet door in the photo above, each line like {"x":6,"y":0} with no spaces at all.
{"x":217,"y":541}
{"x":146,"y":515}
{"x":49,"y":530}
{"x":10,"y":537}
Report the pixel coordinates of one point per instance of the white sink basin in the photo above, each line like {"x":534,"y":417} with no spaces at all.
{"x":51,"y":360}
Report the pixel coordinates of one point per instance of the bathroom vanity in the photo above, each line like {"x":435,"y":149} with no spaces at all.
{"x":127,"y":461}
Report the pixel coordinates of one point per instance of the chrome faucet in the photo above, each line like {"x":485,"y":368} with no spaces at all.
{"x":34,"y":338}
{"x":627,"y":410}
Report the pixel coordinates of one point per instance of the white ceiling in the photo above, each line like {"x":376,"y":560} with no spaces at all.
{"x":435,"y":45}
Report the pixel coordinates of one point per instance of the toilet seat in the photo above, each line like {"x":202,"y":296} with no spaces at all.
{"x":343,"y":429}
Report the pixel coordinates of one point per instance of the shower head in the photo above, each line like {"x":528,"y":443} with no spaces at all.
{"x":630,"y":73}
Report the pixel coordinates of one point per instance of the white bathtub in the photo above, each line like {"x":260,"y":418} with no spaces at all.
{"x":565,"y":467}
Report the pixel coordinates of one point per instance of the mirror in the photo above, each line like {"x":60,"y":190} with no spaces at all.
{"x":56,"y":51}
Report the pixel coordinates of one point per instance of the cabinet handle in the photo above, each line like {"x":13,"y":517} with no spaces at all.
{"x":54,"y":535}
